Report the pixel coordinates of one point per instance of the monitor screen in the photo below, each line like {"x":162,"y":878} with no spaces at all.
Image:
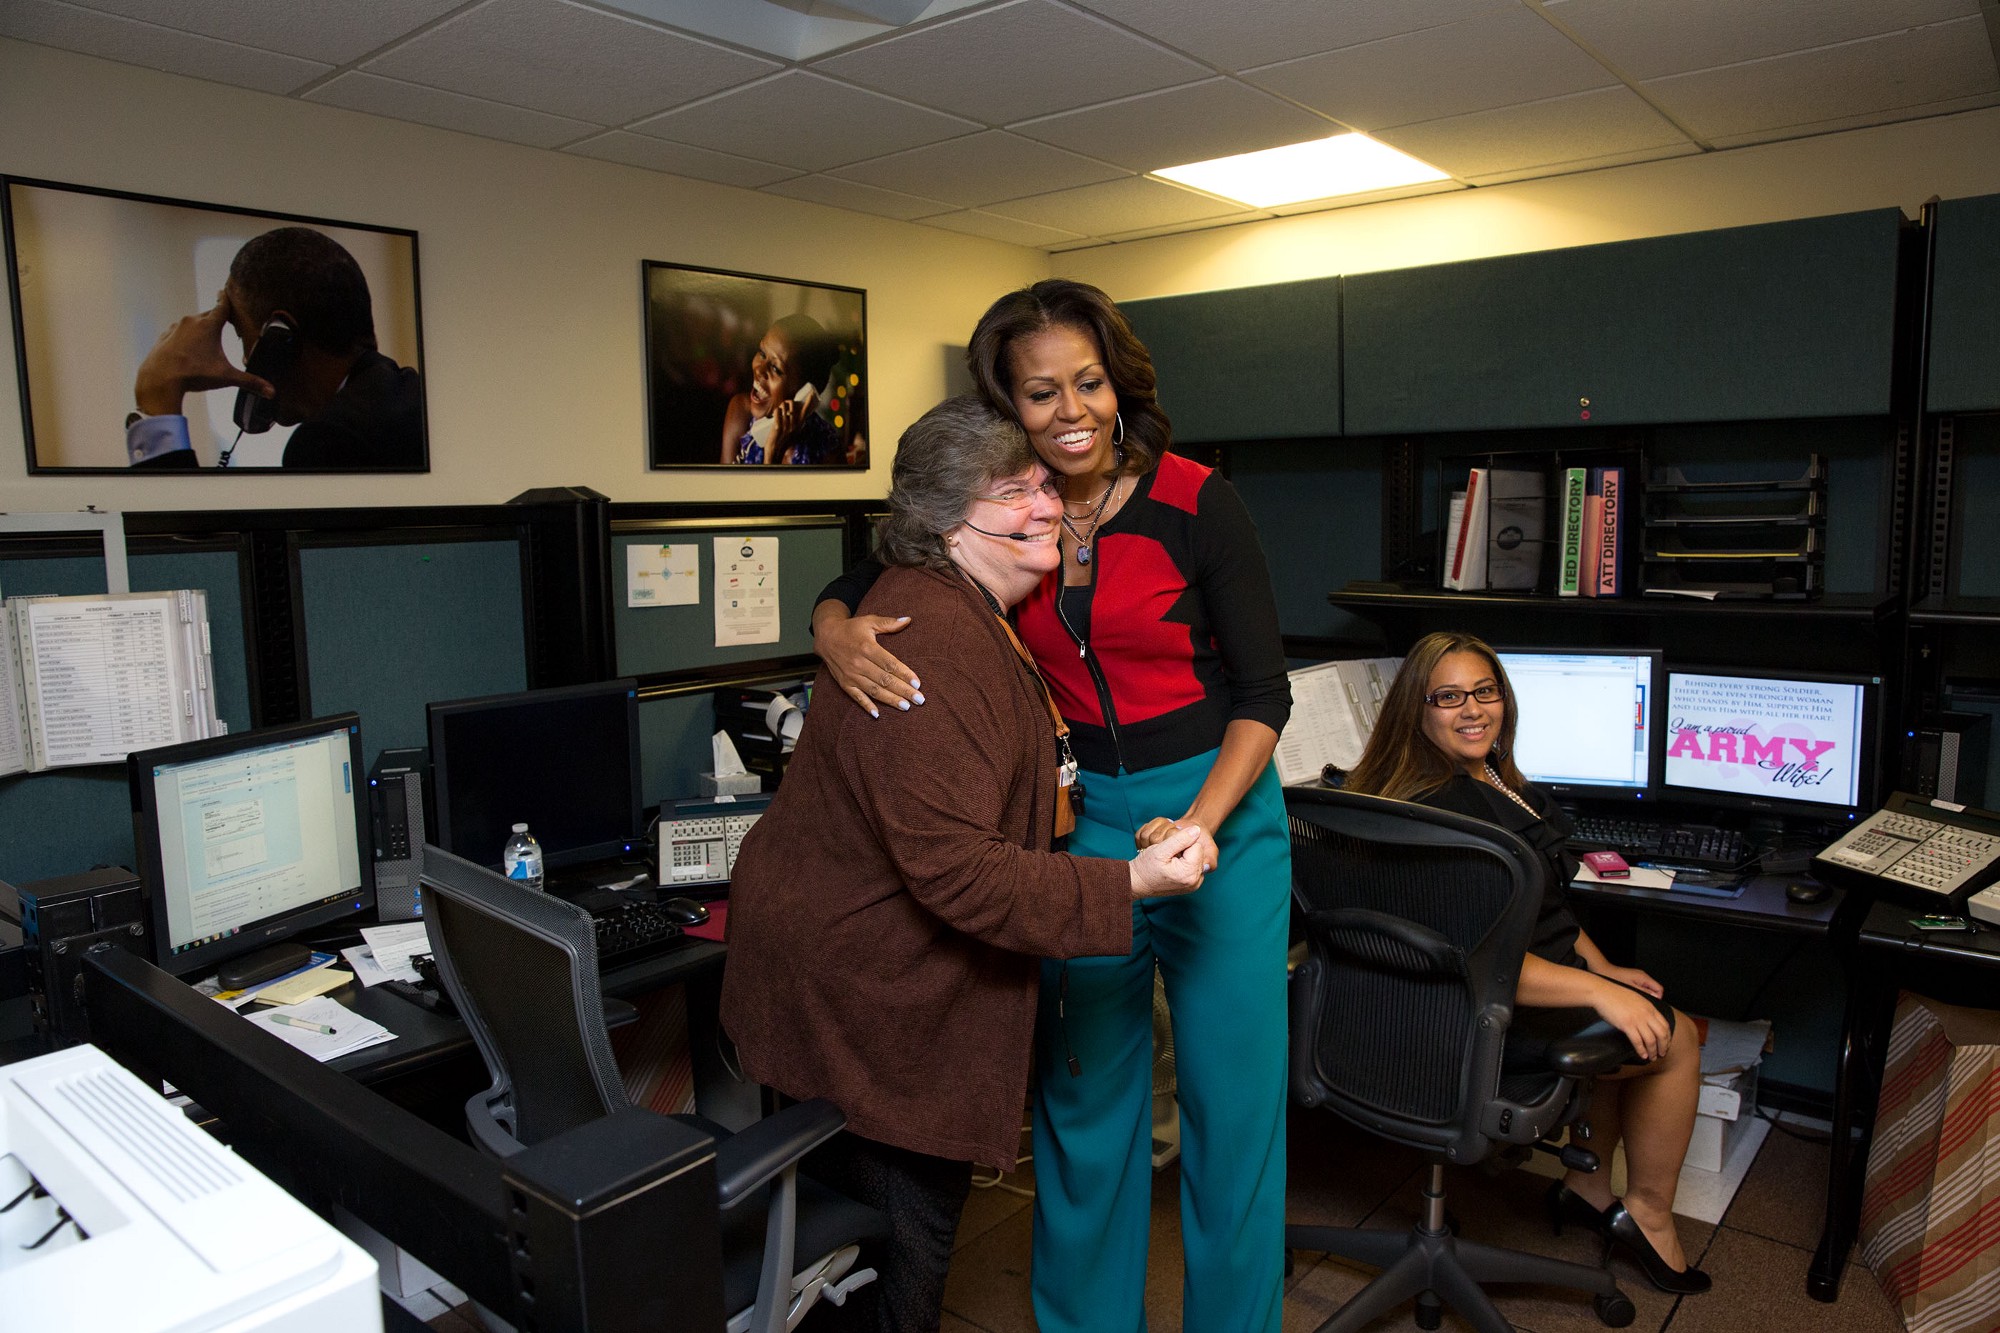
{"x":563,"y":761}
{"x":251,"y":839}
{"x":1789,"y":742}
{"x":1585,"y":718}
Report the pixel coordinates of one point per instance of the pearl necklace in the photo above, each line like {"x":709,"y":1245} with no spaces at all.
{"x":1493,"y":776}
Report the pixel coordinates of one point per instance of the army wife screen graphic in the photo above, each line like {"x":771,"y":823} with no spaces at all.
{"x":1793,"y":740}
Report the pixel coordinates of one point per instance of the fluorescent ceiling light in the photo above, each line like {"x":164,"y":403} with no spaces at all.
{"x":1343,"y":164}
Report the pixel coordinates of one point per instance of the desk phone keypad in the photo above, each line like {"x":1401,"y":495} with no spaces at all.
{"x":702,"y":851}
{"x":1909,"y":849}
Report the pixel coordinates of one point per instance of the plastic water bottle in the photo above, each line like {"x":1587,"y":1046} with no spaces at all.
{"x":522,"y":857}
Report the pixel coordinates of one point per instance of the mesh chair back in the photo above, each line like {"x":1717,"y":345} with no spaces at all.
{"x":522,"y":968}
{"x":1417,"y":921}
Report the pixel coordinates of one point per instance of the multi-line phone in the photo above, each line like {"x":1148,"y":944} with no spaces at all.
{"x":699,"y":839}
{"x":1931,"y":854}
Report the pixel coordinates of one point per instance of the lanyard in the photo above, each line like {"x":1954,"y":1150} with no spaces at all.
{"x":1069,"y":792}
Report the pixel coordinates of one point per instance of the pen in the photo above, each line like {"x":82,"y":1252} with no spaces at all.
{"x":305,"y":1023}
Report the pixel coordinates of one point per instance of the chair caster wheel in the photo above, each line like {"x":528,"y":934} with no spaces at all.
{"x":1430,"y":1311}
{"x":1615,"y":1310}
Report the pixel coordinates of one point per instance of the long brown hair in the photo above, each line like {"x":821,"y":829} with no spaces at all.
{"x":1061,"y":303}
{"x":1400,"y":761}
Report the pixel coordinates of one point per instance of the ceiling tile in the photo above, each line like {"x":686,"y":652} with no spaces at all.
{"x":1180,"y":125}
{"x":859,"y":198}
{"x":1182,"y":229}
{"x":566,"y":60}
{"x":1367,"y":197}
{"x":1661,"y":37}
{"x":1494,"y":60}
{"x":1024,"y":59}
{"x":335,"y":31}
{"x":452,"y":111}
{"x":1120,"y":205}
{"x":154,"y":47}
{"x":980,"y":168}
{"x":996,"y":228}
{"x":677,"y":159}
{"x":1882,"y":76}
{"x":1921,"y":111}
{"x":804,"y":121}
{"x":1539,"y":134}
{"x":1232,"y":38}
{"x":1683,"y":149}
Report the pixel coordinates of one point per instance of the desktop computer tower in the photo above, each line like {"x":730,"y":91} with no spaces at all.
{"x":1945,"y":757}
{"x":62,"y":919}
{"x":396,"y":799}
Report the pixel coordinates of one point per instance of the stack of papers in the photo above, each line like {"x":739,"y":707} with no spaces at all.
{"x":236,"y":999}
{"x":322,"y":1028}
{"x":386,"y":954}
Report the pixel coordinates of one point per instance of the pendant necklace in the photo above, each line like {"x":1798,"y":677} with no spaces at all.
{"x":1083,"y":540}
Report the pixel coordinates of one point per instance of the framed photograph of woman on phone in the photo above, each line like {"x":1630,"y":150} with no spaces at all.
{"x":750,"y":371}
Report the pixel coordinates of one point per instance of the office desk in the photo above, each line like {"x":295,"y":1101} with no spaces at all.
{"x":1885,"y":954}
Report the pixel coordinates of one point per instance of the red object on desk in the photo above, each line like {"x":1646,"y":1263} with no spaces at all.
{"x":717,"y":923}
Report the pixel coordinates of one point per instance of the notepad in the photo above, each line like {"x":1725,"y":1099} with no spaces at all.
{"x":304,"y":986}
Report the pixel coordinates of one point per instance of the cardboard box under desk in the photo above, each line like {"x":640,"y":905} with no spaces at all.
{"x":1930,"y":1215}
{"x":1727,"y":1107}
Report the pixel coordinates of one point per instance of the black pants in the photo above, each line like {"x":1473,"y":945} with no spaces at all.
{"x":922,"y":1197}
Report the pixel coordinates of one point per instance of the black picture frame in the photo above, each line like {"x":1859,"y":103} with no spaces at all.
{"x":96,"y":276}
{"x":710,"y":402}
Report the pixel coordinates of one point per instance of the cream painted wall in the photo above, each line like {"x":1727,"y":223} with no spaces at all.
{"x":1893,"y":165}
{"x":530,"y":273}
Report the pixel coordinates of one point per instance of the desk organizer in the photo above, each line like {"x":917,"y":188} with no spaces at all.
{"x":1736,"y":538}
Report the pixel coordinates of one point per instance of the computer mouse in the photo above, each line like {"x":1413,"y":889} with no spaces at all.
{"x":1807,"y":891}
{"x":684,"y":911}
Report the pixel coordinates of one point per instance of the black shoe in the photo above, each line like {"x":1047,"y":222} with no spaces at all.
{"x":1566,"y":1205}
{"x":1621,"y":1231}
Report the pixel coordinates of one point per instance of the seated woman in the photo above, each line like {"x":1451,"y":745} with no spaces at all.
{"x":889,"y":913}
{"x":1444,"y":739}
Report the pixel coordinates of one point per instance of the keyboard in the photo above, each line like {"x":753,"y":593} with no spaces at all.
{"x":628,"y":932}
{"x":1700,"y":846}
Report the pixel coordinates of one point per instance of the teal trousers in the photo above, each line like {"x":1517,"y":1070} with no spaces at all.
{"x":1221,"y":951}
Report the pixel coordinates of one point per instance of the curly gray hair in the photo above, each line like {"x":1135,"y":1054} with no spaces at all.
{"x":951,"y":455}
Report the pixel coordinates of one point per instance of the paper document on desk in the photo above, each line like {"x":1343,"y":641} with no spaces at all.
{"x":387,"y":951}
{"x":294,"y":989}
{"x":236,"y":999}
{"x":322,"y":1028}
{"x":1640,"y":877}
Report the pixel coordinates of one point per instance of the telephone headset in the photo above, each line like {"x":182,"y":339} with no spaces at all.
{"x":272,"y":357}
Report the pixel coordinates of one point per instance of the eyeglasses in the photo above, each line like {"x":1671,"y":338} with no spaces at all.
{"x":1020,"y":497}
{"x":1488,"y":693}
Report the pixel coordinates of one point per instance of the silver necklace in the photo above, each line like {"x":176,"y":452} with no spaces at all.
{"x":1493,"y":776}
{"x":1083,"y":540}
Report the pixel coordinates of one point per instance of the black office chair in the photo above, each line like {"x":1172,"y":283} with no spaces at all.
{"x":522,"y":968}
{"x":1417,"y":921}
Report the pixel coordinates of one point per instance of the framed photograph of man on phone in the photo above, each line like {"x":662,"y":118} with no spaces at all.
{"x":163,"y":335}
{"x":750,"y":371}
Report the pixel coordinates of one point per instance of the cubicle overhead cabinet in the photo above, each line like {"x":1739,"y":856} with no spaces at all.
{"x":1965,"y":308}
{"x":1783,"y":320}
{"x":1253,"y":363}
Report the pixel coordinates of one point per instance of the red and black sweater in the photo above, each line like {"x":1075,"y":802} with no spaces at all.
{"x":1175,"y":637}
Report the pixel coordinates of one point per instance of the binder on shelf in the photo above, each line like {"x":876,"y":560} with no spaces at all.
{"x":1453,"y":528}
{"x":88,"y":680}
{"x":1569,"y":570}
{"x":1467,"y":569}
{"x":1494,"y":539}
{"x":1609,"y":488}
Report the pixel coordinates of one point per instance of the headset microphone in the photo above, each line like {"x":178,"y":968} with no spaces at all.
{"x":1010,"y":536}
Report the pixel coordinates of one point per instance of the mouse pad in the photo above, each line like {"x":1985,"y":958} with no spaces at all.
{"x":712,"y":929}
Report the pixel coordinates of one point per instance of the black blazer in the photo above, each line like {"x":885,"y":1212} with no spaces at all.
{"x":1556,"y":928}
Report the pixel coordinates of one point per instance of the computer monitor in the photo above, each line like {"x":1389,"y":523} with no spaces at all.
{"x":1586,"y":720}
{"x":251,"y":840}
{"x":563,"y":761}
{"x":1789,"y":742}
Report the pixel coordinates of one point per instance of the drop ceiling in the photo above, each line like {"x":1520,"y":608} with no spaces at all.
{"x":1037,"y":121}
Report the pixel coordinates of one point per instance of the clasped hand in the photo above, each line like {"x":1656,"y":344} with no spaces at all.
{"x":1171,"y":865}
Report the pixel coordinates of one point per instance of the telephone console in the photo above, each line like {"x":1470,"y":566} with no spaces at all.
{"x":699,"y":839}
{"x":1923,"y":853}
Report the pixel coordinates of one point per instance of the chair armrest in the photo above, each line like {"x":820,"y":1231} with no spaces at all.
{"x":1575,"y":1042}
{"x":746,"y":1160}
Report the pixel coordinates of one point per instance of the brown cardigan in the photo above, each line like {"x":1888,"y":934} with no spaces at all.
{"x":888,"y":913}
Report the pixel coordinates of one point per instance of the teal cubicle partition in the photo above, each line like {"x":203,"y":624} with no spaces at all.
{"x":656,"y":641}
{"x":70,"y":819}
{"x":392,"y":627}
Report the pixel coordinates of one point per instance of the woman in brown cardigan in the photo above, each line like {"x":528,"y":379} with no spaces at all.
{"x":888,"y":914}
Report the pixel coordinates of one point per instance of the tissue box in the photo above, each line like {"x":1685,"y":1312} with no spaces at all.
{"x":730,"y":784}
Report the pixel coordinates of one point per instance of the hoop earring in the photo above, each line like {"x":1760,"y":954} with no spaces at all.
{"x":1118,"y":439}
